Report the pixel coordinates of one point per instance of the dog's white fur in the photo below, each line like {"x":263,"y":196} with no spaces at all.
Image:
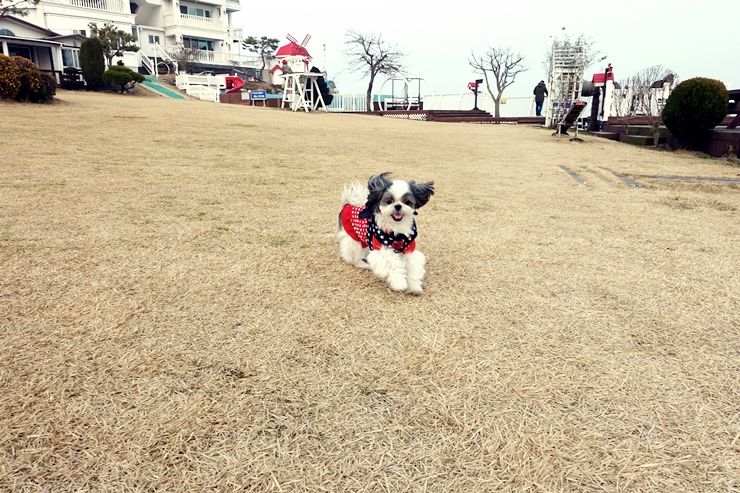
{"x":402,"y":271}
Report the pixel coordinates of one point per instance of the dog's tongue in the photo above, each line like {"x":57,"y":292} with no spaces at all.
{"x":397,"y":217}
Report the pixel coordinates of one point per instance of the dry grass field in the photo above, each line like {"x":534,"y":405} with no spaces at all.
{"x":174,"y":315}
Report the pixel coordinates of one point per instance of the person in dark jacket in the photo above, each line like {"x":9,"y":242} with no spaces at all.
{"x":540,"y":93}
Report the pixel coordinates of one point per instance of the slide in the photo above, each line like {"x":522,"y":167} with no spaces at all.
{"x":234,"y":84}
{"x":571,"y":117}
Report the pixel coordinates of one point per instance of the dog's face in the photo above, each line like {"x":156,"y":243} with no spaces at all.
{"x":396,"y":201}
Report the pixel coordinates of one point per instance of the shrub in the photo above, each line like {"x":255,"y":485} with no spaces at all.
{"x":122,"y":77}
{"x":31,"y":85}
{"x":92,"y":63}
{"x":10,"y":81}
{"x":693,"y":108}
{"x":48,"y":90}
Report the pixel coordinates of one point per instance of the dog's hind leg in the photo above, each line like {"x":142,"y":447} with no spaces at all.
{"x":351,"y":251}
{"x":415,"y":262}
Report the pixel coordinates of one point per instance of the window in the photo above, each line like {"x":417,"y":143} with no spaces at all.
{"x":196,"y":11}
{"x":6,"y":32}
{"x":79,"y":31}
{"x":71,"y":57}
{"x":198,"y":44}
{"x":23,"y":51}
{"x":153,"y":39}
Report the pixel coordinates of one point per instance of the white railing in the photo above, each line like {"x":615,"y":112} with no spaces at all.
{"x":204,"y":87}
{"x":514,"y":106}
{"x":204,"y":93}
{"x":162,"y":53}
{"x":206,"y":56}
{"x":198,"y":21}
{"x":182,"y":81}
{"x":147,"y":63}
{"x":108,"y":5}
{"x":346,"y":103}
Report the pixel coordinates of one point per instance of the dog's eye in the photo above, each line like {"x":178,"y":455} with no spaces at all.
{"x":389,"y":201}
{"x":407,"y":202}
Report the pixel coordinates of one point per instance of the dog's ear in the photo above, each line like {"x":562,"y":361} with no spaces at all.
{"x":422,"y":192}
{"x":379,"y":183}
{"x":376,"y":186}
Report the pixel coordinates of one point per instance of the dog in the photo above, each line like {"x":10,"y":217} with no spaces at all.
{"x":377,"y":230}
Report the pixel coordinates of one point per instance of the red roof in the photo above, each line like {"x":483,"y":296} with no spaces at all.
{"x":292,"y":49}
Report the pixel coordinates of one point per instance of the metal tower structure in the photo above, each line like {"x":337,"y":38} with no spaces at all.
{"x":568,"y":61}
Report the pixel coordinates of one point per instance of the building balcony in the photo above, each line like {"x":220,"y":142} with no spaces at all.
{"x":195,"y":25}
{"x":236,"y":33}
{"x":199,"y":22}
{"x":232,"y":5}
{"x":118,"y":6}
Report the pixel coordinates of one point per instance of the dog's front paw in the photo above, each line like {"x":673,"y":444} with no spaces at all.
{"x":414,"y":288}
{"x":398,"y":283}
{"x":362,"y":264}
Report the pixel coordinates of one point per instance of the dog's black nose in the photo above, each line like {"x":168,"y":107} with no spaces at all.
{"x":398,"y":207}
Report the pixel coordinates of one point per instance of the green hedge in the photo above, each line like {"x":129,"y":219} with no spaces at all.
{"x":122,"y":78}
{"x":92,"y":63}
{"x":694,"y":107}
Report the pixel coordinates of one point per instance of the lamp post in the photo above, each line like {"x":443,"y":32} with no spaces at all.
{"x":473,"y":86}
{"x":607,"y":71}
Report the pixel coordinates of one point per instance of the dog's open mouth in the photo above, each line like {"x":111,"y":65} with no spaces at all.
{"x":397,"y":216}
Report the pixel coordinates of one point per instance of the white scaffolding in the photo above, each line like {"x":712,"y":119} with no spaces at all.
{"x":567,"y":64}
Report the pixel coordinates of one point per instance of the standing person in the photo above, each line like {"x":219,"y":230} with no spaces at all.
{"x":540,"y":93}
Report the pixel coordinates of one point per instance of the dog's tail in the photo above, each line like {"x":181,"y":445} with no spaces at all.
{"x":354,"y":193}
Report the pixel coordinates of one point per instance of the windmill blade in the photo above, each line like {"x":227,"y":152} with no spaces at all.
{"x":291,"y":39}
{"x":305,"y":40}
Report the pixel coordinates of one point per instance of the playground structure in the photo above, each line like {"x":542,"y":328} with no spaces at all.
{"x":209,"y":87}
{"x":405,"y":100}
{"x":303,"y":89}
{"x":291,"y":57}
{"x":567,"y":64}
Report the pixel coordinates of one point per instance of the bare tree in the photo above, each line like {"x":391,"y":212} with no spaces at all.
{"x":504,"y":65}
{"x":371,"y":53}
{"x":645,"y":94}
{"x":185,"y":58}
{"x":16,"y":7}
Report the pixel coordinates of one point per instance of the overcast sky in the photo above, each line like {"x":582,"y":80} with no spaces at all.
{"x":693,"y":38}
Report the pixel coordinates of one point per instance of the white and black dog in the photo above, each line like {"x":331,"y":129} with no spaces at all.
{"x":377,"y":230}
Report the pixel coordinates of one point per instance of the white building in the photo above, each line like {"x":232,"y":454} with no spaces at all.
{"x":160,"y":26}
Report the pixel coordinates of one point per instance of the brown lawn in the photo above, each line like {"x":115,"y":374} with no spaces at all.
{"x":174,"y":315}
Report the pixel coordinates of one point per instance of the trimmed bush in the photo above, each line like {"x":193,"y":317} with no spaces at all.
{"x":122,"y":77}
{"x":10,"y":81}
{"x":48,"y":89}
{"x":92,"y":63}
{"x":694,"y":107}
{"x":31,"y":85}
